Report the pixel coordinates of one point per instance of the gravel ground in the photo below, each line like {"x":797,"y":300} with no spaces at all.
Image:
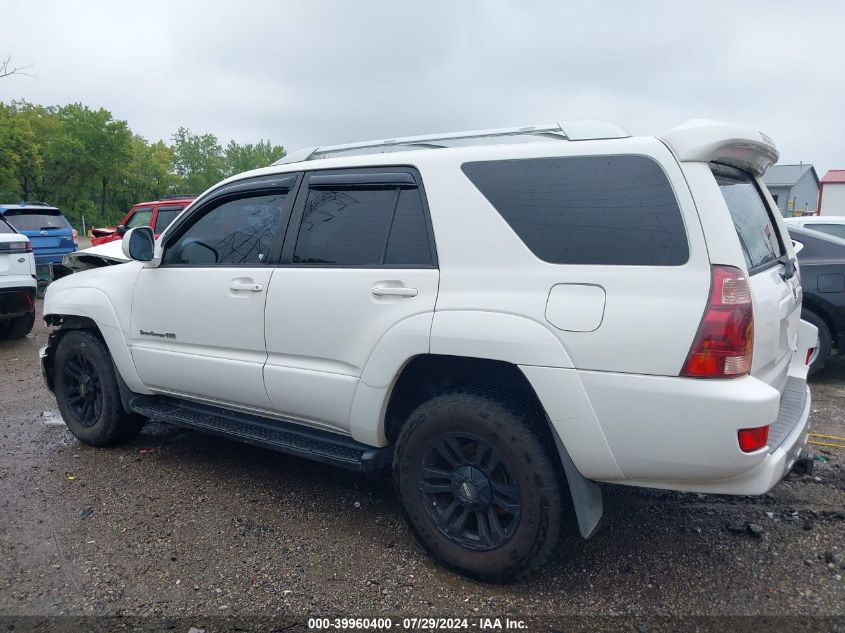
{"x":184,"y":525}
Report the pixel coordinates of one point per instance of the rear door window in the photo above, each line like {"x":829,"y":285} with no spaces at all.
{"x":363,"y":219}
{"x":752,"y":218}
{"x":36,"y":220}
{"x":166,"y":215}
{"x":607,"y":210}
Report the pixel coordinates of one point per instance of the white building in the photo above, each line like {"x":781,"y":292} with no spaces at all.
{"x":832,"y":193}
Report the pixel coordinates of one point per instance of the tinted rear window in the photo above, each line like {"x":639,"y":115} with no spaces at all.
{"x":611,"y":210}
{"x":165,"y":216}
{"x":35,"y":220}
{"x":751,"y":217}
{"x":837,"y":230}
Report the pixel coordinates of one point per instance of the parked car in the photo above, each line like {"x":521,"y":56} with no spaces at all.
{"x":48,"y":230}
{"x":157,"y":214}
{"x":822,"y":260}
{"x":496,"y":322}
{"x":830,"y":224}
{"x":17,"y":283}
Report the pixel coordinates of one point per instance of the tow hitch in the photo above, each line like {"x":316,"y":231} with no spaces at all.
{"x":803,"y":465}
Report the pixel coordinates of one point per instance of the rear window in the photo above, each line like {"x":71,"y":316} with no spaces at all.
{"x":5,"y":228}
{"x":752,"y":218}
{"x":35,"y":219}
{"x":837,"y":230}
{"x":607,"y":210}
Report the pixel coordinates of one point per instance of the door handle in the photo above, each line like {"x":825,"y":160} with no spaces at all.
{"x":247,"y":287}
{"x":394,"y":291}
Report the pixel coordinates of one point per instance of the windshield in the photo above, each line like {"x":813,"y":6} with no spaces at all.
{"x":36,"y":219}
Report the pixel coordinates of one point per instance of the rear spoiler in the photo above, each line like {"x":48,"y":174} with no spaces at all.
{"x":705,"y":141}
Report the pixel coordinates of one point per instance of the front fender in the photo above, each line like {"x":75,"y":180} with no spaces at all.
{"x":94,"y":304}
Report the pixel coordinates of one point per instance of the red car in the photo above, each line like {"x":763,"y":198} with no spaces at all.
{"x":157,"y":214}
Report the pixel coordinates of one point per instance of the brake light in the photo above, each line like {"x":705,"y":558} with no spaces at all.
{"x":723,"y":345}
{"x":13,"y":248}
{"x":75,"y":236}
{"x":751,"y":440}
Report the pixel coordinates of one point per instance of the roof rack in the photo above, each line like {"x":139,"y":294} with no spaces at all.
{"x":565,"y":131}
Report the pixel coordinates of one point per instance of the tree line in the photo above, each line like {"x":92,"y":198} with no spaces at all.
{"x":88,"y":163}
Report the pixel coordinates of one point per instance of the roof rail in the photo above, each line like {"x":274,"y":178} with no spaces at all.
{"x":565,"y":131}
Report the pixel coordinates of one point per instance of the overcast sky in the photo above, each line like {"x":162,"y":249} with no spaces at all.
{"x":320,"y":72}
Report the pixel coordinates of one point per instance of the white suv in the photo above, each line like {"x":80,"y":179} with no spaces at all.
{"x":17,"y":283}
{"x":496,"y":320}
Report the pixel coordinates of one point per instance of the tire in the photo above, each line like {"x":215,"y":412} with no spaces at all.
{"x":822,"y":353}
{"x":19,"y":327}
{"x":87,"y":393}
{"x":481,"y":457}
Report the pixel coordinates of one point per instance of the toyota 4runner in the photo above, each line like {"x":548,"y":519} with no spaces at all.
{"x":500,"y":316}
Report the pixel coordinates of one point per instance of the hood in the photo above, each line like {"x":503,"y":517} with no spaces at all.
{"x":96,"y":257}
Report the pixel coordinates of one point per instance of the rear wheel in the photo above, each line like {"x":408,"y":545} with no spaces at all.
{"x":479,"y":489}
{"x":87,"y":393}
{"x":19,"y":327}
{"x":822,"y":351}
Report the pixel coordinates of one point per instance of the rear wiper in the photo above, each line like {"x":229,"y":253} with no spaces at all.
{"x":788,"y":267}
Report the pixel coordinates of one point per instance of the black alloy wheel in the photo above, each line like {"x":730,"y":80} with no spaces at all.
{"x":470,"y":492}
{"x":83,"y":389}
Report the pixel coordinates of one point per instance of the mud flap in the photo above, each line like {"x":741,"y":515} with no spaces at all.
{"x":586,"y":494}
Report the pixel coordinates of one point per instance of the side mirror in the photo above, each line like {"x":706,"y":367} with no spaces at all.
{"x":139,"y":243}
{"x":121,"y":229}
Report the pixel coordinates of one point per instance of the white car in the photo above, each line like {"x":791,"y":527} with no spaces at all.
{"x":831,"y":224}
{"x":496,"y":321}
{"x":17,"y":283}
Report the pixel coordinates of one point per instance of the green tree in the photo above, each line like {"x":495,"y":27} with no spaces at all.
{"x":197,"y":159}
{"x":240,"y":158}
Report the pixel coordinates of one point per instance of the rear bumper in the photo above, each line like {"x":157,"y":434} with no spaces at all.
{"x":774,"y":466}
{"x":681,"y":433}
{"x":52,"y":257}
{"x":17,"y":301}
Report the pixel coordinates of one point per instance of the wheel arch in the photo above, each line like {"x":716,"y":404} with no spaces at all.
{"x":90,"y":309}
{"x":819,"y":310}
{"x":428,"y":375}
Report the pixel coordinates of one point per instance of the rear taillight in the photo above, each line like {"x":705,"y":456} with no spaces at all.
{"x":15,"y":247}
{"x":751,"y":440}
{"x":75,"y":236}
{"x":722,"y":348}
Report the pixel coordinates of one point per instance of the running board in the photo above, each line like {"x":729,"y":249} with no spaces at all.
{"x":284,"y":436}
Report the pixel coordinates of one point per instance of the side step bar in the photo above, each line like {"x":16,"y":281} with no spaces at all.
{"x":286,"y":437}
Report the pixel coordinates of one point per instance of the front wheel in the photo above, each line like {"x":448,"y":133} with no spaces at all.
{"x":478,"y":486}
{"x":87,"y":393}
